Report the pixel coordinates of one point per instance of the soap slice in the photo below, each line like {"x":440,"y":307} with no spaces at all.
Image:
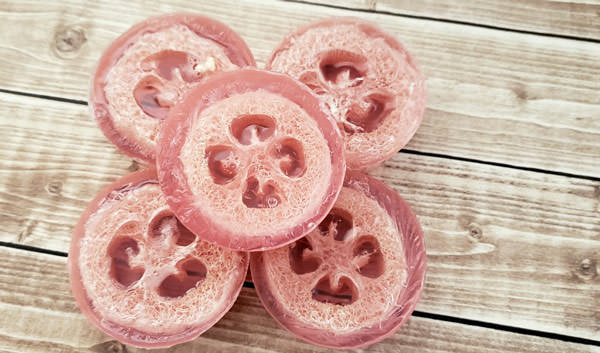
{"x":250,"y":160}
{"x":356,"y":278}
{"x":142,"y":277}
{"x":149,"y":68}
{"x":367,"y":79}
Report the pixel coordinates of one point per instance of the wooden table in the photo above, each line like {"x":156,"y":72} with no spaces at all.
{"x":504,"y":173}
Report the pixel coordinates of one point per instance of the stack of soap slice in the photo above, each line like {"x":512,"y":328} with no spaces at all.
{"x":245,"y":160}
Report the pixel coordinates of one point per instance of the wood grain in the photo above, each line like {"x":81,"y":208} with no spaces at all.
{"x":579,"y":18}
{"x":506,"y":246}
{"x":34,"y":292}
{"x":494,"y":95}
{"x":53,"y":161}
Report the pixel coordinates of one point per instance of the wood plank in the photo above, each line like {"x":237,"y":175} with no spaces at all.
{"x":34,"y":291}
{"x":506,"y":246}
{"x":497,"y":96}
{"x":54,"y":160}
{"x":573,"y":18}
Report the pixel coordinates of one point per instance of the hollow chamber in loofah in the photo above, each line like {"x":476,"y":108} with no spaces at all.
{"x":356,"y":278}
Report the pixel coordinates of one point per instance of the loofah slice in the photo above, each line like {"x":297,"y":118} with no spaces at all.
{"x":250,"y":160}
{"x":150,"y":67}
{"x":356,"y":278}
{"x":366,"y":78}
{"x":143,"y":278}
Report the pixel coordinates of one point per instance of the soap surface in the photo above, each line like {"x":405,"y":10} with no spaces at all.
{"x":367,"y":79}
{"x":250,"y":160}
{"x":148,"y":69}
{"x":140,"y":276}
{"x":356,"y":278}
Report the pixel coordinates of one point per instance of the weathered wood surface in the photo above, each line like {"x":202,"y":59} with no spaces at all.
{"x":39,"y":315}
{"x":579,"y":18}
{"x":507,"y":246}
{"x":494,"y":95}
{"x":54,"y":159}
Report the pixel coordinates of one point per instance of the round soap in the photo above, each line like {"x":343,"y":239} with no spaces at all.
{"x":149,"y":68}
{"x":250,"y":160}
{"x":356,"y":278}
{"x":140,"y":276}
{"x":368,"y":80}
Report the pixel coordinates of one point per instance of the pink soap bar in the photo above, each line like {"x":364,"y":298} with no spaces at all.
{"x":367,"y":79}
{"x":149,"y":68}
{"x":356,"y":278}
{"x":143,"y":278}
{"x":250,"y":160}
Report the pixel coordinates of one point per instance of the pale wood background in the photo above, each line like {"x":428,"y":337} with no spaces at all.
{"x":504,"y":174}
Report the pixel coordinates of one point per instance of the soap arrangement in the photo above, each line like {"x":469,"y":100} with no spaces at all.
{"x":247,"y":168}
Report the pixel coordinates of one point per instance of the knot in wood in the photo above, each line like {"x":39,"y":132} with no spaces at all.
{"x":69,"y":39}
{"x":54,"y":187}
{"x":587,"y":269}
{"x":475,"y":231}
{"x":134,"y":166}
{"x":109,"y":347}
{"x":115,"y":347}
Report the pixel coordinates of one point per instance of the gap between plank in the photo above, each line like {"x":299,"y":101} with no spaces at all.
{"x":33,"y":249}
{"x":513,"y":329}
{"x":43,"y":96}
{"x":500,"y":164}
{"x":407,"y":151}
{"x":458,"y":22}
{"x":431,"y":316}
